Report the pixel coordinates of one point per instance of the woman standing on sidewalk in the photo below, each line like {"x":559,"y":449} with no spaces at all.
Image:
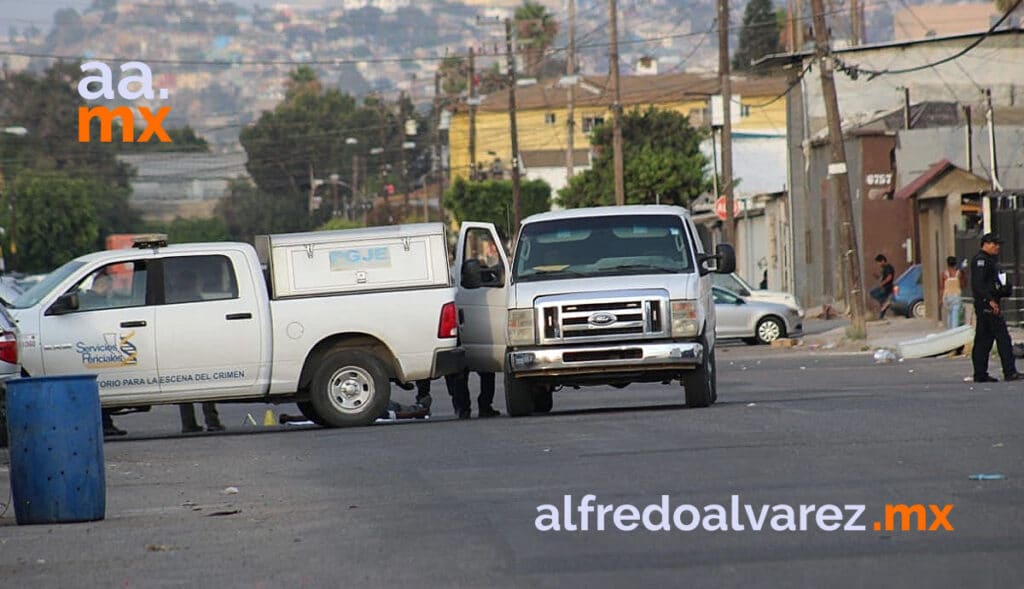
{"x":953,"y":282}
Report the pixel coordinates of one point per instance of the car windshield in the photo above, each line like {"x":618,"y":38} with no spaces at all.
{"x":602,"y":246}
{"x":32,"y":296}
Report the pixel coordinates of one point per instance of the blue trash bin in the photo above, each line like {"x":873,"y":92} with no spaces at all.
{"x":56,"y":448}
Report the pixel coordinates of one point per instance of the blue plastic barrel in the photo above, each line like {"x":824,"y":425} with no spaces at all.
{"x":56,"y":448}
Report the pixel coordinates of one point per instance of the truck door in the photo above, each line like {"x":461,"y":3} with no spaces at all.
{"x":110,"y":333}
{"x":208,"y":327}
{"x":482,"y":275}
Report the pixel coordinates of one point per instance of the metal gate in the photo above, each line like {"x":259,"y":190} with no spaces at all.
{"x":1008,"y":221}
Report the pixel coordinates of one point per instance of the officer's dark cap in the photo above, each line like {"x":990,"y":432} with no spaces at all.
{"x":991,"y":238}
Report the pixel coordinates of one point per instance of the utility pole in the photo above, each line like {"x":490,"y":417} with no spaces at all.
{"x":837,"y":172}
{"x":472,"y":114}
{"x":799,"y":28}
{"x":438,"y":173}
{"x":401,"y":149}
{"x":856,"y":23}
{"x":516,"y":205}
{"x":991,"y":122}
{"x":725,"y":81}
{"x":570,"y":70}
{"x":970,"y":138}
{"x":613,"y":66}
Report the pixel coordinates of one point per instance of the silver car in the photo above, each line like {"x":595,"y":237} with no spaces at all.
{"x":756,"y":322}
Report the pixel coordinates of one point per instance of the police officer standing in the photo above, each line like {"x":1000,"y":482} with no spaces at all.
{"x":987,"y":290}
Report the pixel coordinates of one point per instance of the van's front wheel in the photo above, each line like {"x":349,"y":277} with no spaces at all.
{"x":701,"y":384}
{"x":350,"y":388}
{"x":518,"y":396}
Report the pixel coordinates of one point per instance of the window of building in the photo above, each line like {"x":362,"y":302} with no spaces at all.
{"x":590,"y":122}
{"x":549,"y":118}
{"x":744,"y":111}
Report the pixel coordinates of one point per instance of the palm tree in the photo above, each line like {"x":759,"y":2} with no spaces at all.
{"x":535,"y":29}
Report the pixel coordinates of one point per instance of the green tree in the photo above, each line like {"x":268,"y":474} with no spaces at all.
{"x":56,"y":221}
{"x":454,"y":75}
{"x":491,"y":201}
{"x":248,"y":211}
{"x":309,"y":137}
{"x":183,"y":140}
{"x":47,"y":106}
{"x":759,"y":35}
{"x":662,"y":162}
{"x":183,"y":230}
{"x":302,"y":80}
{"x":536,"y":29}
{"x":339,"y":223}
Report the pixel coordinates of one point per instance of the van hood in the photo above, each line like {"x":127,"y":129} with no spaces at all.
{"x":679,"y":286}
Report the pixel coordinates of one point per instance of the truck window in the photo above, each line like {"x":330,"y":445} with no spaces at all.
{"x":188,"y":279}
{"x":603,"y":246}
{"x":114,"y":286}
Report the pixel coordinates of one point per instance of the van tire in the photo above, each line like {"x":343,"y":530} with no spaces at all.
{"x":543,"y":400}
{"x":309,"y":412}
{"x":350,"y":388}
{"x":518,"y":396}
{"x":701,"y":384}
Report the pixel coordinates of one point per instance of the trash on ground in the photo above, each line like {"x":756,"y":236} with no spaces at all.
{"x":884,"y":356}
{"x":987,"y":477}
{"x":998,"y":445}
{"x":222,"y":513}
{"x":230,"y":491}
{"x":751,"y":404}
{"x":159,"y":548}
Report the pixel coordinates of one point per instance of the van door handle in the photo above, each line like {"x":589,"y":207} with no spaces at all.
{"x":133,"y":324}
{"x":462,"y":318}
{"x":237,"y":316}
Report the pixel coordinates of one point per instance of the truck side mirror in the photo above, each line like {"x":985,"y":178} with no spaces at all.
{"x":66,"y":303}
{"x":472,"y":277}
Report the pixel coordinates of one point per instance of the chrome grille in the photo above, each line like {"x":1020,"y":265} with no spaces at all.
{"x":577,"y":318}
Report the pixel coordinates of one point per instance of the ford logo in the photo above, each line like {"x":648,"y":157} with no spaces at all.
{"x":602,"y":319}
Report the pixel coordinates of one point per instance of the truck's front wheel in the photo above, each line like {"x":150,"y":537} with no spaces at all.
{"x":350,"y":388}
{"x":701,"y":384}
{"x":518,"y":396}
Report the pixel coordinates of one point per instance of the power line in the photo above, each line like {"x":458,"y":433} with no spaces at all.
{"x":854,"y":70}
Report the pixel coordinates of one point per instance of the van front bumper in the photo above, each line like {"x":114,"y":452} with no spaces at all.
{"x":641,"y":356}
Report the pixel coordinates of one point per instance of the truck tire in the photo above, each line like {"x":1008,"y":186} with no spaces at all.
{"x":518,"y":396}
{"x":307,"y":411}
{"x":543,"y":400}
{"x":350,"y":388}
{"x":701,"y":384}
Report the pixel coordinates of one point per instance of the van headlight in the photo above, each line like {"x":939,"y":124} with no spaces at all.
{"x":684,"y":318}
{"x":522,"y":328}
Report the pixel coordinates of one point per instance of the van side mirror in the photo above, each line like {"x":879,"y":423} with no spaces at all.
{"x":66,"y":303}
{"x":723,"y":262}
{"x":472,"y":277}
{"x":726,"y":259}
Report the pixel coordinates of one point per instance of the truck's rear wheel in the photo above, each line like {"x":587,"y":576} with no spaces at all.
{"x":543,"y":400}
{"x":309,"y":412}
{"x":701,"y":384}
{"x":350,"y":388}
{"x":518,"y":396}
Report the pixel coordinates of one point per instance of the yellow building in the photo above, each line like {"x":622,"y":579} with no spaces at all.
{"x":542,"y":112}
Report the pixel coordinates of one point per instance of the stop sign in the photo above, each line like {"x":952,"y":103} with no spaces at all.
{"x":720,"y":208}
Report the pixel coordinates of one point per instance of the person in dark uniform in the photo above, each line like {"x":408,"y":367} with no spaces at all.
{"x":987,"y":290}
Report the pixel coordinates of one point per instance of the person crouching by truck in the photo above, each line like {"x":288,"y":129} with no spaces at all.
{"x":952,"y":285}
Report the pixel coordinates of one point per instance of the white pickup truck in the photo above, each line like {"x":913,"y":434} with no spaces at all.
{"x":338,"y":316}
{"x":609,"y":295}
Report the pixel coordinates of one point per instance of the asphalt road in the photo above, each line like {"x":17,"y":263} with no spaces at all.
{"x":453,"y":503}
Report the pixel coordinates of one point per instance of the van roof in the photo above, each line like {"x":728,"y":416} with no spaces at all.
{"x":608,"y":212}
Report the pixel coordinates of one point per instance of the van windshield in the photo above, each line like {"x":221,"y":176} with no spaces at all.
{"x":32,"y":296}
{"x":602,"y":246}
